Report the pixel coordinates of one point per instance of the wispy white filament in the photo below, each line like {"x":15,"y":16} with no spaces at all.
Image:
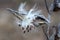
{"x":21,"y":9}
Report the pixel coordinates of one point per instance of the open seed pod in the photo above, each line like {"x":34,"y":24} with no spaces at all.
{"x":29,"y":19}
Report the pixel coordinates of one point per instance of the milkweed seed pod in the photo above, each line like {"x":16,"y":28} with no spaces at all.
{"x":28,"y":19}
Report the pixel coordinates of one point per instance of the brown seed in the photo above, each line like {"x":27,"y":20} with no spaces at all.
{"x":27,"y":30}
{"x":19,"y":25}
{"x":27,"y":27}
{"x":24,"y":31}
{"x":22,"y":28}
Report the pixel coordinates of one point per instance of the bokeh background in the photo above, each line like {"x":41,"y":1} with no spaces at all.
{"x":9,"y":30}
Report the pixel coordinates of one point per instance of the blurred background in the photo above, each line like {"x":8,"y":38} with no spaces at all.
{"x":9,"y":30}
